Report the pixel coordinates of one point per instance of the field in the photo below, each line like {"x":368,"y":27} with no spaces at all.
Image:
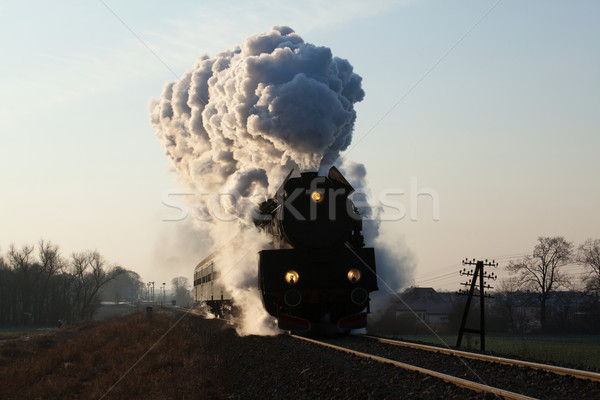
{"x":85,"y":360}
{"x":567,"y":350}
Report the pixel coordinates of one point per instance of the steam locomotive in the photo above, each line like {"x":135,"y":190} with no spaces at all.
{"x":319,"y":274}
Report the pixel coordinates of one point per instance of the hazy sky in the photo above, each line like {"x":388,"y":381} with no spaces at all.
{"x":494,"y":105}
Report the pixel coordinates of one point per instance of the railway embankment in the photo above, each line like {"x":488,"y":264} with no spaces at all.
{"x":177,"y":355}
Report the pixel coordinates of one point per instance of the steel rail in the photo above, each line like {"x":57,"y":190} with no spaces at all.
{"x":447,"y":378}
{"x":594,"y":376}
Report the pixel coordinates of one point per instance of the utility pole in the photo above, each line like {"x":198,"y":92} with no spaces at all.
{"x":482,"y":286}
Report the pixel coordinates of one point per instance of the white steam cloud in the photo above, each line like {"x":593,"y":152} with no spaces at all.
{"x":247,"y":116}
{"x":237,"y":123}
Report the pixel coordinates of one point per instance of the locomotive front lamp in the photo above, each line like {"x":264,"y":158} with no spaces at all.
{"x":354,"y":275}
{"x":292,"y":277}
{"x":317,"y":197}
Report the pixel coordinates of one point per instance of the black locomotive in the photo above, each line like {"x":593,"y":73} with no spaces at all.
{"x":319,"y":274}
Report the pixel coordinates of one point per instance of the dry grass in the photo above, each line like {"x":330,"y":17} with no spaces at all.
{"x":84,"y":360}
{"x":16,"y":333}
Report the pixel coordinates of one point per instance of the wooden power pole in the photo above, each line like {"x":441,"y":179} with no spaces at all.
{"x":478,"y":273}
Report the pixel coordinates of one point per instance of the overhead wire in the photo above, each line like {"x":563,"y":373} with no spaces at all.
{"x":449,"y":277}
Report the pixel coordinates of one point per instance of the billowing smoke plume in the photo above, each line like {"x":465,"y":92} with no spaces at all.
{"x":246,"y":117}
{"x":236,"y":124}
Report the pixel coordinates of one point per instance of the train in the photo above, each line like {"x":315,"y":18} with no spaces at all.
{"x":318,"y":274}
{"x":209,"y":291}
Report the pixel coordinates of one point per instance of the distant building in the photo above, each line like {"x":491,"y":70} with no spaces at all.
{"x":429,"y":306}
{"x":419,"y":310}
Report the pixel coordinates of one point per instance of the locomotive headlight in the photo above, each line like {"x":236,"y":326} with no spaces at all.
{"x":354,"y":275}
{"x":292,"y":277}
{"x":317,"y":197}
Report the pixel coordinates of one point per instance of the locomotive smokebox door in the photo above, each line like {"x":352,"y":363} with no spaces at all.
{"x":311,"y":285}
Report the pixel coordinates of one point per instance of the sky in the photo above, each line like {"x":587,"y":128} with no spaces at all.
{"x":483,"y":117}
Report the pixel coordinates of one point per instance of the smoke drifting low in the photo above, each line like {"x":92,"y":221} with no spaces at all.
{"x":238,"y":122}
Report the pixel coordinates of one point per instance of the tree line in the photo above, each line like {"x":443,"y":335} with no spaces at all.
{"x":542,"y":272}
{"x":39,"y":286}
{"x":539,"y":296}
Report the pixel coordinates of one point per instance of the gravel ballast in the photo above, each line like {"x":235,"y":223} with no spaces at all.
{"x":286,"y":368}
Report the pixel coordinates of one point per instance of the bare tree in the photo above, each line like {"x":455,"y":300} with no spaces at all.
{"x":126,"y":286}
{"x":43,"y":289}
{"x":588,"y":254}
{"x":541,"y":271}
{"x":51,"y":264}
{"x":30,"y":286}
{"x":21,"y":262}
{"x":89,"y":275}
{"x":50,"y":259}
{"x":6,"y":303}
{"x":180,"y":286}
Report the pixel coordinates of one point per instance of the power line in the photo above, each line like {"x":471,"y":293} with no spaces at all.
{"x":437,"y":278}
{"x":508,"y":256}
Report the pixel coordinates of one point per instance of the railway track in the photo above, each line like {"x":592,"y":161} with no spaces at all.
{"x":501,"y":377}
{"x":575,"y":373}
